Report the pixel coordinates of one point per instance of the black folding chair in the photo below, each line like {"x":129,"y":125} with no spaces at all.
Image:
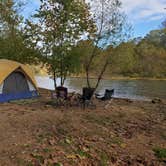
{"x":86,"y":97}
{"x":59,"y":97}
{"x":107,"y":95}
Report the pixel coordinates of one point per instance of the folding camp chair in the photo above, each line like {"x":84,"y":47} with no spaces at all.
{"x":85,"y":99}
{"x":107,"y":95}
{"x":60,"y":97}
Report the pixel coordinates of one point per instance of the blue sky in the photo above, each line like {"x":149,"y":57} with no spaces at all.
{"x":144,"y":15}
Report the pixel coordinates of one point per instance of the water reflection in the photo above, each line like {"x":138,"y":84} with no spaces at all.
{"x":135,"y":89}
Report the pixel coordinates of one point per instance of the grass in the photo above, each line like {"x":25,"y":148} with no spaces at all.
{"x":104,"y":159}
{"x":40,"y":138}
{"x":57,"y":164}
{"x":163,"y":135}
{"x":62,"y":131}
{"x":98,"y":119}
{"x":22,"y":162}
{"x":24,"y":101}
{"x":64,"y":127}
{"x":83,"y":154}
{"x":116,"y":140}
{"x":46,"y":150}
{"x":160,"y":153}
{"x":40,"y":158}
{"x":65,"y":143}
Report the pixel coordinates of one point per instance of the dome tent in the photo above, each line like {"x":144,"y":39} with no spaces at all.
{"x":16,"y":81}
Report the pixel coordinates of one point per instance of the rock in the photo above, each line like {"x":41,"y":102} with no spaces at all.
{"x":123,"y":145}
{"x":128,"y":100}
{"x":51,"y":142}
{"x":156,"y":100}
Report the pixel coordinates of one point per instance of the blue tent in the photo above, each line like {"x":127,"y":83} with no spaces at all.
{"x":16,"y":81}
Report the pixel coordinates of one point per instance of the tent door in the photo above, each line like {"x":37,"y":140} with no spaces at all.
{"x":15,"y":83}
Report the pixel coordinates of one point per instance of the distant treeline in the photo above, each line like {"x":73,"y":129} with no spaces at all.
{"x":140,"y":57}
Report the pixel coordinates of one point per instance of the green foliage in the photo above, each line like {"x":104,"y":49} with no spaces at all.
{"x":60,"y":25}
{"x":39,"y":158}
{"x":13,"y":43}
{"x":110,"y":30}
{"x":84,"y":49}
{"x":123,"y":59}
{"x":58,"y":164}
{"x":160,"y":153}
{"x":151,"y":60}
{"x":54,"y":38}
{"x":157,"y":37}
{"x":104,"y":159}
{"x":136,"y":58}
{"x":82,"y":153}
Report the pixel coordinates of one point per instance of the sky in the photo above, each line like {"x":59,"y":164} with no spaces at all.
{"x":144,"y":15}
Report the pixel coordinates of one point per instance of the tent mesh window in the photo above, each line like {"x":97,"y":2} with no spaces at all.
{"x":16,"y":82}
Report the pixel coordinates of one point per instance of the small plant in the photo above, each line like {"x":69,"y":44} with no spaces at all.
{"x":68,"y":140}
{"x":100,"y":120}
{"x":116,"y":140}
{"x":40,"y":138}
{"x":24,"y":162}
{"x":58,"y":164}
{"x":46,"y":150}
{"x":82,"y":153}
{"x":160,"y":153}
{"x":103,"y":159}
{"x":39,"y":158}
{"x":163,"y":135}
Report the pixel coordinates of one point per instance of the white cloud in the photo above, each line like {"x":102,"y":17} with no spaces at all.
{"x":137,"y":10}
{"x":142,"y":10}
{"x":157,"y":17}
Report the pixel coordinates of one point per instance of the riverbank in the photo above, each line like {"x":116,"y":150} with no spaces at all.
{"x":110,"y":77}
{"x":123,"y":132}
{"x":121,"y":78}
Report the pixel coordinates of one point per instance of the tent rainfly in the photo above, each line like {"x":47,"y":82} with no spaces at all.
{"x":16,"y":81}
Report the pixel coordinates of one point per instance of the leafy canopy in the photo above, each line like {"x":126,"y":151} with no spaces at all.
{"x":13,"y":43}
{"x":60,"y":24}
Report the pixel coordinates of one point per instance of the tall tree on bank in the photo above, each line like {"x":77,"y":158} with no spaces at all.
{"x":61,"y":23}
{"x":12,"y":37}
{"x":124,"y":59}
{"x":110,"y":22}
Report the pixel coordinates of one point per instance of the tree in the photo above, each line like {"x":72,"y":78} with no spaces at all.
{"x":60,"y":24}
{"x":138,"y":57}
{"x":151,"y":59}
{"x":124,"y":59}
{"x":12,"y":36}
{"x":157,"y":37}
{"x":110,"y":30}
{"x":84,"y":49}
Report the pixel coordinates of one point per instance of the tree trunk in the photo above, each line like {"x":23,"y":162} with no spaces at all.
{"x":61,"y":75}
{"x":87,"y":77}
{"x":64,"y":77}
{"x":54,"y":77}
{"x":96,"y":44}
{"x":101,"y":73}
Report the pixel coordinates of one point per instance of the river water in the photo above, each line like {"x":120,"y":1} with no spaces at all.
{"x":132,"y":89}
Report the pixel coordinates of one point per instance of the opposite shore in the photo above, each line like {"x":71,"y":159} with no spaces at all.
{"x":110,"y":77}
{"x":122,"y":78}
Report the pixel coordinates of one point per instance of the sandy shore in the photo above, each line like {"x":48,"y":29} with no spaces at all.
{"x":121,"y":133}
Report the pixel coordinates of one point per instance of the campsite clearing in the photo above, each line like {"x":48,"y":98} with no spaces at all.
{"x":125,"y":133}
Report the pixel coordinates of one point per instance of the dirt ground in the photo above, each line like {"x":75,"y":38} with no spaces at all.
{"x":121,"y":133}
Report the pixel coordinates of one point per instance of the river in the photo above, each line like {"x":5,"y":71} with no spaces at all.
{"x":132,"y":89}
